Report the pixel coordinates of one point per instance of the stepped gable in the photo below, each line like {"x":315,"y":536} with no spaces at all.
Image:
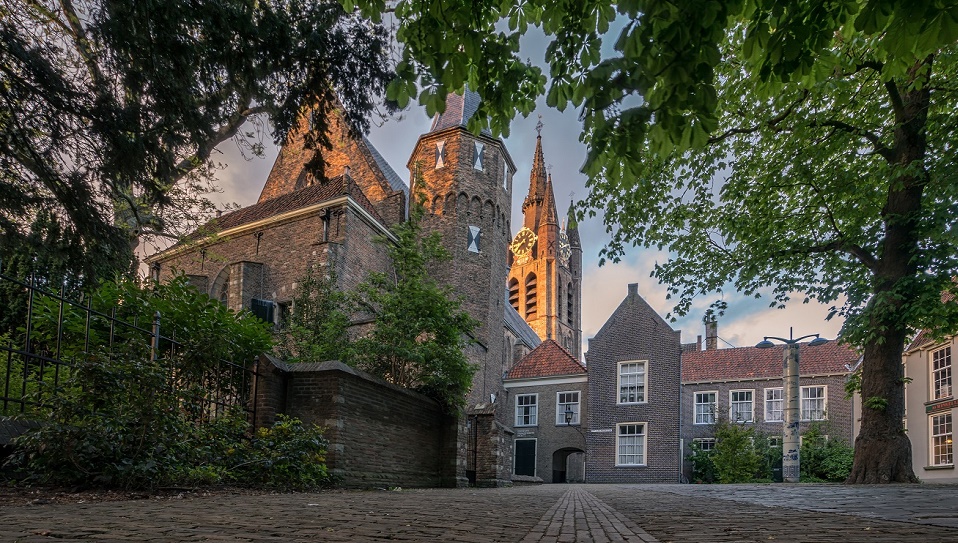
{"x":547,"y":360}
{"x":366,"y":165}
{"x":285,"y":203}
{"x":754,"y":363}
{"x":459,"y":109}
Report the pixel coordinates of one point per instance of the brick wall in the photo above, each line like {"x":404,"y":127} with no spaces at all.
{"x":839,"y":409}
{"x":634,"y":332}
{"x":379,"y":435}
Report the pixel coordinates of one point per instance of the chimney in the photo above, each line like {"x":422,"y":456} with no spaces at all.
{"x":698,"y":343}
{"x":711,"y":335}
{"x":633,"y":289}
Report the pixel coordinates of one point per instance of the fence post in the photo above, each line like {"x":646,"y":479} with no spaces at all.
{"x":155,"y":347}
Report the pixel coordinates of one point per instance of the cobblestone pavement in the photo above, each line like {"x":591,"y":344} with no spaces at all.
{"x":541,"y":514}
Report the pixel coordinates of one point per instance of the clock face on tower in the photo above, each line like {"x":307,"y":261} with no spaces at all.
{"x":565,"y":250}
{"x":522,"y":244}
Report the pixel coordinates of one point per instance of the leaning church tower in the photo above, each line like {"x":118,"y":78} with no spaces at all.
{"x":466,"y":180}
{"x":545,"y":276}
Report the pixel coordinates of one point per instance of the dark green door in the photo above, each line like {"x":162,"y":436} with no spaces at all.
{"x":526,"y":457}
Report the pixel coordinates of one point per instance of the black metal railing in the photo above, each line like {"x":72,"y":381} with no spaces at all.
{"x":37,"y":359}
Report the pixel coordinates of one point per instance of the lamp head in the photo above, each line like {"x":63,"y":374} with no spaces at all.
{"x":817,"y":341}
{"x":568,"y":415}
{"x":765,"y":344}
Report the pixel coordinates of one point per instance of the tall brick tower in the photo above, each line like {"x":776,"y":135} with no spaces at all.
{"x":467,"y":182}
{"x":545,"y":277}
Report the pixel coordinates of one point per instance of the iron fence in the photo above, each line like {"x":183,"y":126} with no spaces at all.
{"x":37,"y":360}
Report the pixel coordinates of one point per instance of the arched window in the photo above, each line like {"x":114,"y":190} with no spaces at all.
{"x":531,"y":309}
{"x":514,"y":293}
{"x":570,"y":305}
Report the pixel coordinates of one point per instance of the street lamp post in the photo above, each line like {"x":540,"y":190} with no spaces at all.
{"x":791,"y":460}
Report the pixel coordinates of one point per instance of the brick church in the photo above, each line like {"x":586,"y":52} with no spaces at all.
{"x":535,"y":412}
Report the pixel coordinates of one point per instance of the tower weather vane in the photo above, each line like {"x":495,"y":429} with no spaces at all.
{"x":539,"y":126}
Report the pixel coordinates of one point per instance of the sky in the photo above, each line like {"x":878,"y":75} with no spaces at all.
{"x":745,"y":322}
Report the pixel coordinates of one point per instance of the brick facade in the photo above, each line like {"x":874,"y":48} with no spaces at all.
{"x":634,"y":332}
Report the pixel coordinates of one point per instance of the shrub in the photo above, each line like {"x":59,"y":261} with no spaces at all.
{"x":703,"y":467}
{"x":735,"y":457}
{"x":824,"y":459}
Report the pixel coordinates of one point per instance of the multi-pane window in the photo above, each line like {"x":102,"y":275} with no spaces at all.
{"x":705,"y":443}
{"x":941,"y":440}
{"x":941,"y":373}
{"x":527,"y":410}
{"x":813,"y":403}
{"x":567,"y":402}
{"x":630,"y":444}
{"x":740,"y":406}
{"x":631,"y":382}
{"x":773,"y":405}
{"x":706,"y":404}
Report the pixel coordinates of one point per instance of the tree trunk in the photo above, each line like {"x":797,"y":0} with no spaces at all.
{"x":882,"y":449}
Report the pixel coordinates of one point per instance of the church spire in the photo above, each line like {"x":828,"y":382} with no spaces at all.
{"x":537,"y":185}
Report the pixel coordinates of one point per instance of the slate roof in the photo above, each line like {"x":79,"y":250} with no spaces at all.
{"x":315,"y":194}
{"x":547,"y":360}
{"x":395,"y":181}
{"x":520,"y":327}
{"x":459,"y":109}
{"x":755,"y":363}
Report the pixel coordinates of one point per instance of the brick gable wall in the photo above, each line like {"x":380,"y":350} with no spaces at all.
{"x":634,"y":332}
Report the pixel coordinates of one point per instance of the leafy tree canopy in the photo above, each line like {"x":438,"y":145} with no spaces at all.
{"x":798,"y":146}
{"x":109,"y":111}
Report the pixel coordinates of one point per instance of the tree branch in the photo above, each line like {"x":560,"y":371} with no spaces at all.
{"x":872,"y":138}
{"x":771,"y":123}
{"x":222,"y":134}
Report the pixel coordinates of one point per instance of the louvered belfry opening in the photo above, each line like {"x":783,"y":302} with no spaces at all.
{"x":514,"y":294}
{"x":531,"y":309}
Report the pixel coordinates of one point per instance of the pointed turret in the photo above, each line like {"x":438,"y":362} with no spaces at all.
{"x":572,"y":227}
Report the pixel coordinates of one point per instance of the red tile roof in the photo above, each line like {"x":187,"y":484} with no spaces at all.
{"x":755,"y":363}
{"x":547,"y":360}
{"x":305,"y":197}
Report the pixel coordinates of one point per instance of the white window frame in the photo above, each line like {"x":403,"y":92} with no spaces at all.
{"x":940,"y":378}
{"x":941,"y":435}
{"x":641,"y":442}
{"x":560,"y":408}
{"x":733,"y":403}
{"x":803,"y":400}
{"x":696,"y":403}
{"x":642,"y":387}
{"x":701,"y":441}
{"x":533,"y":415}
{"x":775,"y":441}
{"x":781,"y":403}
